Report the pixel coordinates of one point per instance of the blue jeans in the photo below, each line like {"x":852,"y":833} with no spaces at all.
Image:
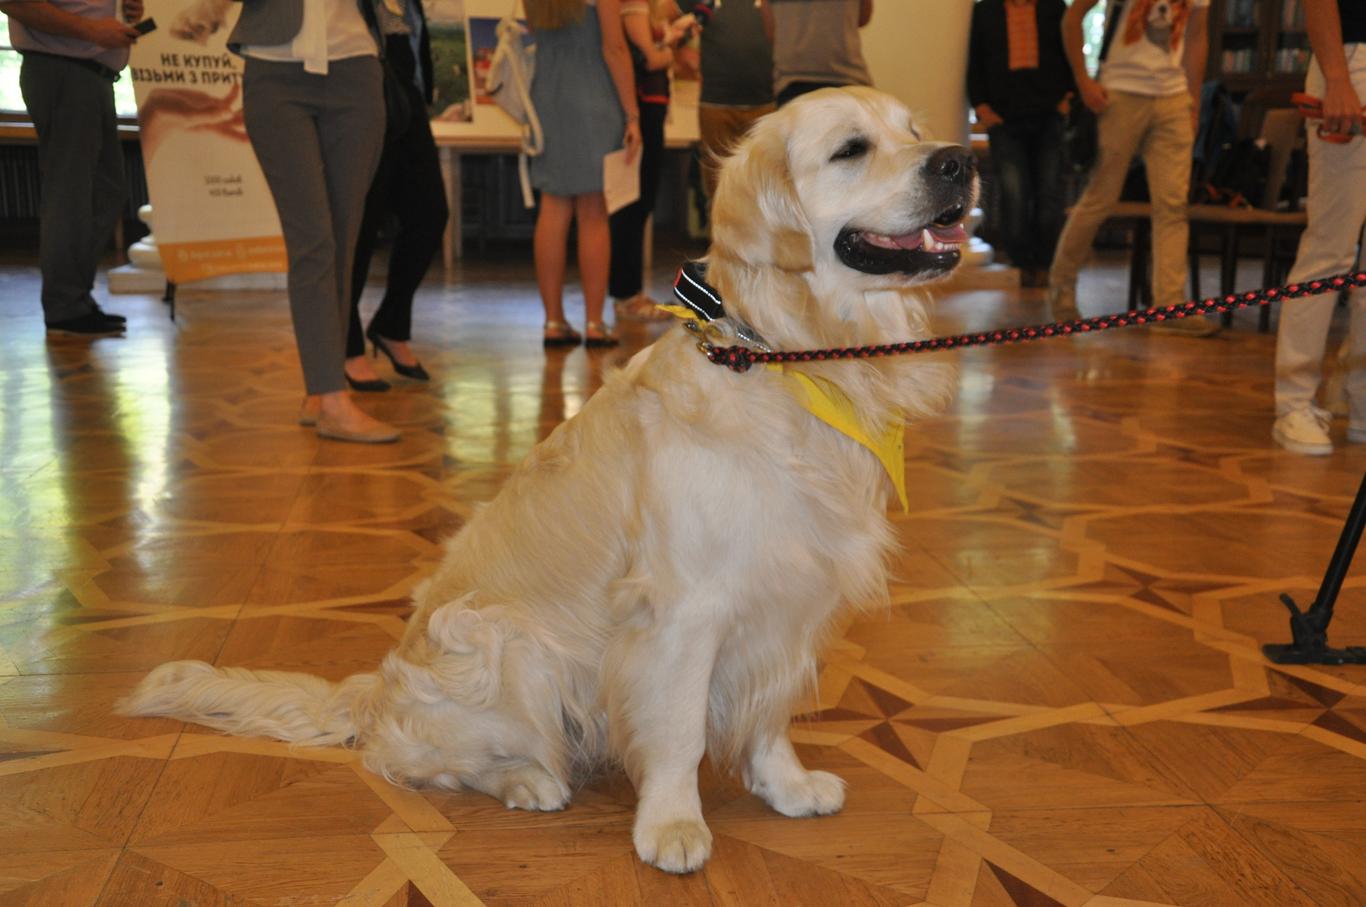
{"x":1026,"y":155}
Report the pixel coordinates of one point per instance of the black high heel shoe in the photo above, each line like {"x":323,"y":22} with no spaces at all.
{"x":414,"y":371}
{"x":371,"y":386}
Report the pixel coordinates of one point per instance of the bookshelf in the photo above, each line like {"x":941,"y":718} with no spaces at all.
{"x":1258,"y":44}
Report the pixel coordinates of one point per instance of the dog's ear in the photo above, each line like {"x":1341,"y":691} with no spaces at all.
{"x":756,"y":216}
{"x":1137,"y":21}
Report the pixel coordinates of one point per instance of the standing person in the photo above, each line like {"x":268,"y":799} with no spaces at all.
{"x":1147,"y":100}
{"x":407,"y":185}
{"x":737,"y":80}
{"x":313,"y":102}
{"x":73,"y":51}
{"x":651,"y":44}
{"x":816,"y":44}
{"x":585,"y":95}
{"x":1018,"y":82}
{"x":1337,"y":212}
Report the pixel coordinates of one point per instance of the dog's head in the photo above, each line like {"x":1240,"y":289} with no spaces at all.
{"x":1162,"y":22}
{"x":841,"y":182}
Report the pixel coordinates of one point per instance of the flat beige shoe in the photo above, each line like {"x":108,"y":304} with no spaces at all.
{"x":378,"y":434}
{"x":308,"y":417}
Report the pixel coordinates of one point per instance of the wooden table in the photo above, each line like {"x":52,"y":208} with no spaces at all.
{"x":453,"y":148}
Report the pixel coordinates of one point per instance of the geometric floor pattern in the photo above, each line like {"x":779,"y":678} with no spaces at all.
{"x":1065,"y":703}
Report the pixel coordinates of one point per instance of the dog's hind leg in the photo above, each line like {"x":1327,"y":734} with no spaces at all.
{"x":658,"y":702}
{"x":774,"y":773}
{"x":524,"y":786}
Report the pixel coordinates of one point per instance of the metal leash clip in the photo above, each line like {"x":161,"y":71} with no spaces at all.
{"x":704,"y":315}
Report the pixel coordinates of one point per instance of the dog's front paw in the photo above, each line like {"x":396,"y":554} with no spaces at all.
{"x":679,"y":846}
{"x":531,"y":787}
{"x":807,"y":794}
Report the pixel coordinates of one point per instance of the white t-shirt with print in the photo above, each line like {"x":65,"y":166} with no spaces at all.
{"x":1147,"y":50}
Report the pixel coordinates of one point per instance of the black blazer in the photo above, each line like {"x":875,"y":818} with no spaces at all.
{"x":399,"y":49}
{"x":1021,"y":92}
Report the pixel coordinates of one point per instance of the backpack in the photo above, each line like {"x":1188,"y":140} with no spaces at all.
{"x":1239,"y":178}
{"x":1217,"y":135}
{"x":509,"y":84}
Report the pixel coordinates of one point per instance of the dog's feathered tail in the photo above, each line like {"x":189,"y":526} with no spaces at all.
{"x":298,"y":708}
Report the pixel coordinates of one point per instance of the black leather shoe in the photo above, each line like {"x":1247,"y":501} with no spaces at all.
{"x":373,"y":386}
{"x":112,"y":316}
{"x":414,"y":371}
{"x":91,"y":324}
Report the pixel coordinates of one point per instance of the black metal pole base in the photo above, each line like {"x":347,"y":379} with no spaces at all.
{"x":1290,"y":654}
{"x":1309,"y":629}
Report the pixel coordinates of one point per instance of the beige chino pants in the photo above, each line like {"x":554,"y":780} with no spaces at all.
{"x":1160,"y":130}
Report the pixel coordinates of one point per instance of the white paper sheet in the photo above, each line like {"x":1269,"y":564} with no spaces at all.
{"x":620,"y":180}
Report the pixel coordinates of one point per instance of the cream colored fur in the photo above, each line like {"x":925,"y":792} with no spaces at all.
{"x":655,"y":580}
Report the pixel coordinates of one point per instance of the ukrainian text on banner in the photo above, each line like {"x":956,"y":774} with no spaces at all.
{"x":213,"y":213}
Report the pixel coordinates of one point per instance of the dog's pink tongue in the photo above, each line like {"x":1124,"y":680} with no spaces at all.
{"x":910,"y":240}
{"x":955,"y":234}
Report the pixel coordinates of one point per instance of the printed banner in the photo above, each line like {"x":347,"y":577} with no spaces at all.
{"x":447,"y":28}
{"x":212,"y":210}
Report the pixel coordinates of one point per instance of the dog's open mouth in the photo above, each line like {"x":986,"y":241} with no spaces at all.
{"x":929,"y":250}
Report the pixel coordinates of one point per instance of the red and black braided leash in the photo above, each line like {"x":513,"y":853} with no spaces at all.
{"x":741,"y":358}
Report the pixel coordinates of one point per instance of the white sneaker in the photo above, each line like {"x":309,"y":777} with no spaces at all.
{"x":1303,"y":431}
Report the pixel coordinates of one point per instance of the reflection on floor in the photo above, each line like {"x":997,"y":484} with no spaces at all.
{"x":1065,"y":705}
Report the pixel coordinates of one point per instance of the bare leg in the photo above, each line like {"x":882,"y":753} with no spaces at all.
{"x":595,"y":251}
{"x":551,"y":249}
{"x":402,"y":350}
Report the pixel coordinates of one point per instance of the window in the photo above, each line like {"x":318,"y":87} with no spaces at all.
{"x":1093,"y":33}
{"x":11,"y":101}
{"x":9,"y":72}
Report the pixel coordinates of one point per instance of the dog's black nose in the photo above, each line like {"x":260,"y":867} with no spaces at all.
{"x":955,"y":164}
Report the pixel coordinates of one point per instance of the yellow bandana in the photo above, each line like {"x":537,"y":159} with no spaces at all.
{"x":828,"y":403}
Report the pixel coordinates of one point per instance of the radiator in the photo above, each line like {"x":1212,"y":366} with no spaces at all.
{"x":19,"y":183}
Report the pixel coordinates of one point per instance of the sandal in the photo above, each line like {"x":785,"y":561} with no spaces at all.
{"x":640,"y":308}
{"x":560,"y":333}
{"x":599,"y":335}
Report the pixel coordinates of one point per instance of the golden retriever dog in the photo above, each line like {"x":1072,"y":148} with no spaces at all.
{"x":653,"y":583}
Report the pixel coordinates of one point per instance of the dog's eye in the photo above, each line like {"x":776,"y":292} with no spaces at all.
{"x":855,"y":147}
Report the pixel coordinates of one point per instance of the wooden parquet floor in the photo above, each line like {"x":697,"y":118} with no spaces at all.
{"x":1065,"y":705}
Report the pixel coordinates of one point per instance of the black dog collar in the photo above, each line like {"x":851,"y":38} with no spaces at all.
{"x":700,"y":307}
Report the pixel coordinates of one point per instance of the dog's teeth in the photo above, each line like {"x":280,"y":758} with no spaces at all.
{"x":877,"y":239}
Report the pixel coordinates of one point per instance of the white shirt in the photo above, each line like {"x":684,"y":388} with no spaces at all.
{"x":331,"y":30}
{"x":1146,"y":53}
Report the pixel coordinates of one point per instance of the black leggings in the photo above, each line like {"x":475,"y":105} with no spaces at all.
{"x":407,"y":185}
{"x":627,"y":275}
